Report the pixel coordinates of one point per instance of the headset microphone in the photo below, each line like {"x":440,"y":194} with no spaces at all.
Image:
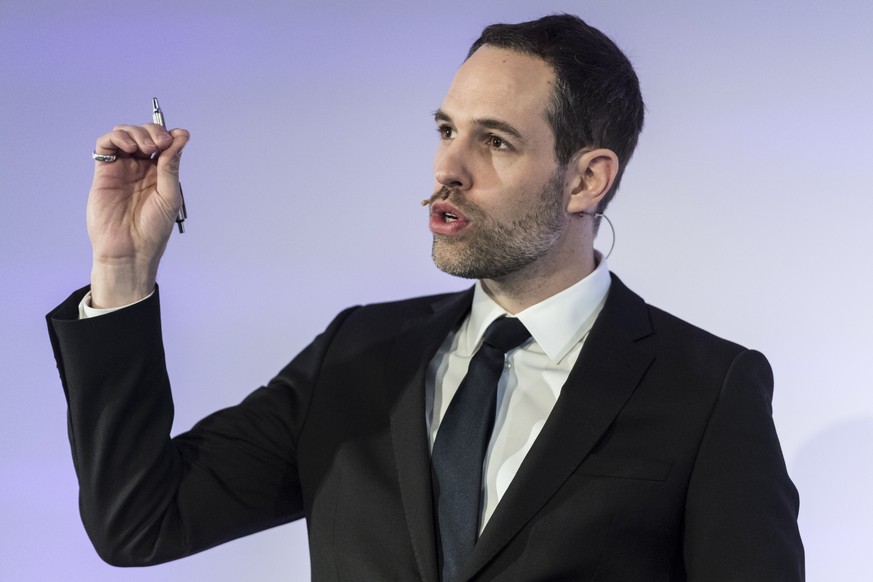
{"x":597,"y":216}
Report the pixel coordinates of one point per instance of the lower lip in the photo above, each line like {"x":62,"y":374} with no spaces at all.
{"x":440,"y":226}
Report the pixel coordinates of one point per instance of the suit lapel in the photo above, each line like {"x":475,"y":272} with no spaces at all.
{"x":608,"y":370}
{"x":413,"y":350}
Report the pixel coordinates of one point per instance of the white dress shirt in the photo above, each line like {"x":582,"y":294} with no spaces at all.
{"x":532,"y":378}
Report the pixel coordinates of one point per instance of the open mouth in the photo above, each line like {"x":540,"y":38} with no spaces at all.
{"x":446,"y":212}
{"x":445,"y":219}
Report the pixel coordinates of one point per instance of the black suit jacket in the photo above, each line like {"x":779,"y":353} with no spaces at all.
{"x":660,"y":461}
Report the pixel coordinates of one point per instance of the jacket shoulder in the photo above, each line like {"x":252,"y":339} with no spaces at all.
{"x":671,"y":333}
{"x":683,"y":330}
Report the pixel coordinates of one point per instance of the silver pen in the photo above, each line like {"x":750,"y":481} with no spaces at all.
{"x":158,"y":118}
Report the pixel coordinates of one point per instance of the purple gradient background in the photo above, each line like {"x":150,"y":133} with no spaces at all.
{"x":746,"y":210}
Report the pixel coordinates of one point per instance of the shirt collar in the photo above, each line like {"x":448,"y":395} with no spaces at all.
{"x":556,"y":324}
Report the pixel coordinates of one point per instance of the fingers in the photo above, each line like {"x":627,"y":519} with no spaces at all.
{"x":178,"y":139}
{"x":141,"y":141}
{"x":168,"y":160}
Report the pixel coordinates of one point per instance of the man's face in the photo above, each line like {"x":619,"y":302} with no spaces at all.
{"x":499,"y":202}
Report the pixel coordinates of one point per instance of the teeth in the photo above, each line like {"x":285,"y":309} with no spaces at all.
{"x":450,"y":217}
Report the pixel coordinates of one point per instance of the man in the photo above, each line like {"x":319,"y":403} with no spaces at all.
{"x":625,"y":444}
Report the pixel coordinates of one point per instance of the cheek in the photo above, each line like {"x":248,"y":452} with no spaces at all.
{"x":505,"y":204}
{"x":526,"y":196}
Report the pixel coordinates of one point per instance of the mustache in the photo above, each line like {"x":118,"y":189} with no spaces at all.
{"x":441,"y":194}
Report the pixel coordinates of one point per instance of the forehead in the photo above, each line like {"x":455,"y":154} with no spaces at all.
{"x":502,"y":84}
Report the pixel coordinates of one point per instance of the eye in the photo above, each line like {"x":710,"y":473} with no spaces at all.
{"x":446,"y":131}
{"x":498,"y":143}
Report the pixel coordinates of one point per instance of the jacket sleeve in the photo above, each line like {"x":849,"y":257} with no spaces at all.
{"x":146,"y":498}
{"x":741,"y":511}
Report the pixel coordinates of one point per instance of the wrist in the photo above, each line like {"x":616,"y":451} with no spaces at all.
{"x":115,"y":285}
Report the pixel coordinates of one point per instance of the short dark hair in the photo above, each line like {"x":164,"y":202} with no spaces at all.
{"x":596,"y":101}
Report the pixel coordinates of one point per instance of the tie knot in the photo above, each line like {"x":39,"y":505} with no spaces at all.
{"x":505,"y":333}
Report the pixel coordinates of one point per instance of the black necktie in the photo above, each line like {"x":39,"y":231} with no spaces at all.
{"x":459,"y":448}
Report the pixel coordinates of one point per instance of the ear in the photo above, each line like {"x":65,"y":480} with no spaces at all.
{"x":593,"y":173}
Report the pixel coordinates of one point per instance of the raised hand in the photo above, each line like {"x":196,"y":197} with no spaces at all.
{"x":132,"y":209}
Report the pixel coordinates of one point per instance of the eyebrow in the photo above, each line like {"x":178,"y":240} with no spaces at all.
{"x":488,"y":123}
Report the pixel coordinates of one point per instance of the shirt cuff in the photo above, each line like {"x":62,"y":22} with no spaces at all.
{"x":86,"y":311}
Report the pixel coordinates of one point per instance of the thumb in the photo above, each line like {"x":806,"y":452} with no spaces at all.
{"x":168,"y":171}
{"x":169,"y":159}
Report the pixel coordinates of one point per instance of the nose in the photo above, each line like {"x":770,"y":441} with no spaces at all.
{"x":450,"y":166}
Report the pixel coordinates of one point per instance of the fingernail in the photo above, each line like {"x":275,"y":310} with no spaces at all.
{"x":163,"y":136}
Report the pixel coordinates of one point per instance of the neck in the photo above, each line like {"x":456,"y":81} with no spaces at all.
{"x":540,"y":280}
